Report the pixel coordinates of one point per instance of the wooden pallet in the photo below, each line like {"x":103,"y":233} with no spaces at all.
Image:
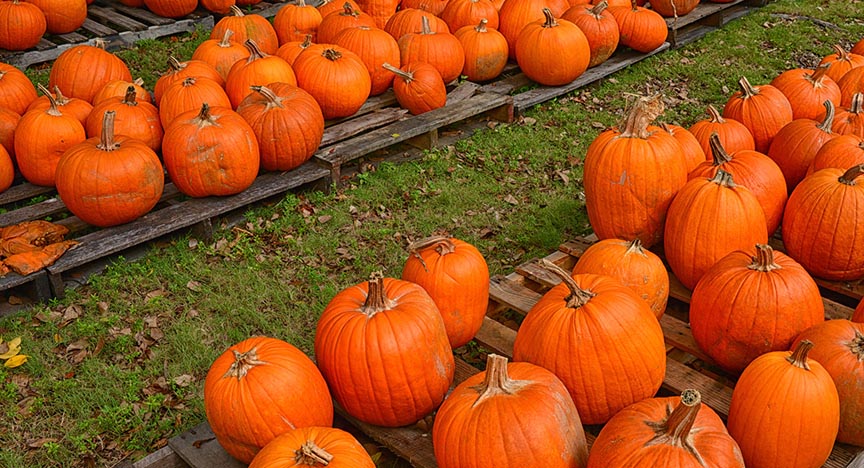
{"x":706,"y":17}
{"x":118,"y":25}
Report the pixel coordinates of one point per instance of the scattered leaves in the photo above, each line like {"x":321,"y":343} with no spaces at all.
{"x":15,"y":361}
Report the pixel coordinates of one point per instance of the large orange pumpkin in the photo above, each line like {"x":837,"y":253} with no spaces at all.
{"x":460,"y":13}
{"x":669,"y":432}
{"x":515,"y":414}
{"x":754,"y":170}
{"x":418,"y":87}
{"x":80,"y":71}
{"x":178,"y":71}
{"x":783,"y":396}
{"x":637,"y":268}
{"x":410,"y":20}
{"x":382,"y":347}
{"x":542,"y":45}
{"x":639,"y":28}
{"x":188,"y":95}
{"x":109,"y":180}
{"x":841,"y":152}
{"x":132,"y":118}
{"x":440,"y":49}
{"x":797,"y":143}
{"x":335,"y":22}
{"x":336,"y":77}
{"x":515,"y":15}
{"x":23,"y":25}
{"x":708,"y":219}
{"x":221,"y":54}
{"x":313,"y":446}
{"x":764,"y":110}
{"x":485,"y":51}
{"x":674,"y":8}
{"x":382,"y":10}
{"x":597,"y":336}
{"x":824,"y":222}
{"x":599,"y":27}
{"x":260,"y":388}
{"x":850,"y":120}
{"x":751,"y":302}
{"x":375,"y":47}
{"x":259,"y":69}
{"x":294,"y":21}
{"x":807,"y":91}
{"x":456,"y":276}
{"x":648,"y":168}
{"x":245,"y":27}
{"x":733,"y":134}
{"x":839,"y":346}
{"x":16,"y":90}
{"x":841,"y":62}
{"x":211,"y":152}
{"x":692,"y":150}
{"x":62,"y":16}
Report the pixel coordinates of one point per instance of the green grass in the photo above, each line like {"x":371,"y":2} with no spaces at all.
{"x":145,"y":325}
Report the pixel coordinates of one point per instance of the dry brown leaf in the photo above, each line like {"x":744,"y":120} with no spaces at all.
{"x":103,"y":306}
{"x":184,"y":380}
{"x":511,"y":199}
{"x":155,"y":293}
{"x":194,"y":285}
{"x":15,"y":300}
{"x":156,"y":334}
{"x":38,"y":443}
{"x":323,"y":219}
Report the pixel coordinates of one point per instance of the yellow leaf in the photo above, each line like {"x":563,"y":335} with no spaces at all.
{"x":15,"y":343}
{"x":11,"y":352}
{"x":15,"y":361}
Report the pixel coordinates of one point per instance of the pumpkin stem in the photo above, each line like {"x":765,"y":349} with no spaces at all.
{"x":255,"y":51}
{"x":106,"y":141}
{"x":764,"y":259}
{"x":52,"y":101}
{"x":130,"y":99}
{"x":578,"y":297}
{"x":850,"y":175}
{"x":226,"y":38}
{"x":376,"y":298}
{"x":857,"y":346}
{"x":307,"y":41}
{"x":747,"y":90}
{"x":857,"y":106}
{"x":676,"y":429}
{"x":798,"y":358}
{"x":723,"y":179}
{"x":842,"y":54}
{"x":311,"y":454}
{"x":443,"y":246}
{"x":348,"y":10}
{"x":481,"y":28}
{"x":243,"y":363}
{"x":138,"y":81}
{"x":204,"y":118}
{"x":825,"y":126}
{"x":425,"y":28}
{"x":272,"y":99}
{"x":301,"y":3}
{"x":643,"y":112}
{"x":62,"y":100}
{"x":716,"y":116}
{"x":635,"y":246}
{"x":817,"y":78}
{"x":331,"y":54}
{"x":236,"y":11}
{"x":718,"y":152}
{"x":406,"y":76}
{"x":100,"y":43}
{"x":174,"y":65}
{"x":550,"y":20}
{"x":633,"y":5}
{"x":598,"y":8}
{"x":496,"y":381}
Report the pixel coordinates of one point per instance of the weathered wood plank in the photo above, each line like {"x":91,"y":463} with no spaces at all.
{"x":111,"y":16}
{"x":97,"y":29}
{"x":462,"y":92}
{"x":143,"y":15}
{"x":165,"y":457}
{"x":701,"y":12}
{"x":22,"y":192}
{"x":199,"y":448}
{"x":344,"y":130}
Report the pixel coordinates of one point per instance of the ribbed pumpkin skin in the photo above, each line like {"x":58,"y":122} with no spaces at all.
{"x":842,"y":151}
{"x":858,"y":315}
{"x":807,"y":91}
{"x":744,"y":306}
{"x":336,"y":77}
{"x":850,"y":120}
{"x":222,"y":7}
{"x":796,"y":144}
{"x":460,"y":13}
{"x":335,"y":22}
{"x":708,"y":219}
{"x":419,"y":88}
{"x":649,"y":169}
{"x":375,"y":47}
{"x":382,"y":10}
{"x":7,"y":170}
{"x":8,"y":121}
{"x":775,"y":401}
{"x":823,"y":224}
{"x":110,"y":184}
{"x":636,"y":268}
{"x":62,"y":16}
{"x":485,"y":52}
{"x":515,"y":15}
{"x":841,"y":62}
{"x":640,"y":29}
{"x":839,"y":347}
{"x":599,"y":27}
{"x":609,"y":352}
{"x":16,"y":90}
{"x":456,"y":276}
{"x":171,"y":8}
{"x":764,"y":110}
{"x":41,"y":138}
{"x":329,"y":6}
{"x":119,"y":88}
{"x":288,"y":125}
{"x":81,"y":70}
{"x":178,"y":71}
{"x":259,"y":69}
{"x":22,"y":25}
{"x":690,"y":146}
{"x":211,"y":152}
{"x":391,"y":368}
{"x":624,"y":440}
{"x":672,"y":8}
{"x":293,"y":22}
{"x":536,"y":425}
{"x":410,"y":20}
{"x":733,"y":134}
{"x":441,"y":50}
{"x":282,"y":451}
{"x":188,"y":95}
{"x":852,"y":82}
{"x":251,"y":26}
{"x":289,"y":51}
{"x":78,"y":108}
{"x":754,"y":170}
{"x":281,"y":392}
{"x":132,"y":118}
{"x":221,"y":54}
{"x":541,"y":46}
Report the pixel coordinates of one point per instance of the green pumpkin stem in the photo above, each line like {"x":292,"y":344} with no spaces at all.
{"x":723,"y":178}
{"x":798,"y":358}
{"x":764,"y":259}
{"x":226,"y":39}
{"x":598,"y":8}
{"x":642,"y":113}
{"x":857,"y":346}
{"x":443,"y":246}
{"x":131,"y":97}
{"x":481,"y":28}
{"x":406,"y":76}
{"x":719,"y":154}
{"x":376,"y":299}
{"x":106,"y":141}
{"x":310,"y":454}
{"x":578,"y":297}
{"x":747,"y":89}
{"x":243,"y":363}
{"x":675,"y":430}
{"x":53,"y":102}
{"x":851,"y":174}
{"x":497,"y":381}
{"x":825,"y":126}
{"x":550,"y":20}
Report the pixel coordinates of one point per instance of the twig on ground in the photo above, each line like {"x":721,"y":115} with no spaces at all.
{"x":816,"y":21}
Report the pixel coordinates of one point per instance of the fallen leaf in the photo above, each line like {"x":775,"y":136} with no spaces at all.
{"x":511,"y":199}
{"x":14,"y":342}
{"x":15,"y":361}
{"x":103,"y":306}
{"x":15,"y":300}
{"x":193,"y":243}
{"x":193,"y":312}
{"x":323,"y":219}
{"x":194,"y":285}
{"x":156,"y":334}
{"x":10,"y":352}
{"x":184,"y":380}
{"x":155,"y":293}
{"x":529,"y":120}
{"x":38,"y":443}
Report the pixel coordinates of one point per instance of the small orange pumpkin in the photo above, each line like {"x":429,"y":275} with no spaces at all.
{"x":221,"y":54}
{"x":418,"y":87}
{"x":245,"y":27}
{"x":764,"y":110}
{"x":23,"y":25}
{"x":733,"y":135}
{"x":541,"y":46}
{"x":485,"y":51}
{"x":313,"y":446}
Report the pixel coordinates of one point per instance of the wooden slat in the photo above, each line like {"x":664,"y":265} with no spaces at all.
{"x":199,"y":449}
{"x":23,"y":192}
{"x":462,"y":92}
{"x":165,"y":457}
{"x":344,"y":130}
{"x":701,"y":12}
{"x":143,"y":15}
{"x":111,"y":16}
{"x":97,"y":29}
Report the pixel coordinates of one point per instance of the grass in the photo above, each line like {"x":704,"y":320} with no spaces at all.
{"x":117,"y":367}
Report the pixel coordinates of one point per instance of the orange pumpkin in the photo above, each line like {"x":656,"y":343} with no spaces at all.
{"x":456,"y":276}
{"x":851,"y":83}
{"x":850,"y":120}
{"x":260,"y":388}
{"x":16,"y":90}
{"x":839,"y":346}
{"x":78,"y":108}
{"x":640,"y":29}
{"x":841,"y":151}
{"x":674,"y":8}
{"x":336,"y":77}
{"x":785,"y":396}
{"x":514,"y":15}
{"x":599,"y":27}
{"x":259,"y":69}
{"x":841,"y":62}
{"x":672,"y":432}
{"x":62,"y":16}
{"x":178,"y":71}
{"x":375,"y":47}
{"x":542,"y":44}
{"x":807,"y":91}
{"x":313,"y":446}
{"x":690,"y":146}
{"x":764,"y":110}
{"x":118,"y":88}
{"x":410,"y":20}
{"x":8,"y":121}
{"x":7,"y":170}
{"x":334,"y":23}
{"x":132,"y":118}
{"x":80,"y":71}
{"x":171,"y":8}
{"x":636,"y":268}
{"x":289,"y":51}
{"x":382,"y":347}
{"x":460,"y":13}
{"x":294,"y":21}
{"x":858,"y":314}
{"x":733,"y":134}
{"x":797,"y":143}
{"x":221,"y":54}
{"x":23,"y":25}
{"x":440,"y":49}
{"x":518,"y":413}
{"x":189,"y":95}
{"x":485,"y":51}
{"x":245,"y":27}
{"x":418,"y":87}
{"x":382,"y":10}
{"x":571,"y":330}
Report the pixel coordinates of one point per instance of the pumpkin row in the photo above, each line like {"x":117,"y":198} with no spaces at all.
{"x":589,"y":352}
